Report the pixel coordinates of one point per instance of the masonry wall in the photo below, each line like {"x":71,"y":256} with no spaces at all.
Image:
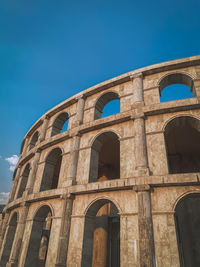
{"x":146,"y":193}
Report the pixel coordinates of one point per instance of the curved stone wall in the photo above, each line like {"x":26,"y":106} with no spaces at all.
{"x":60,"y":177}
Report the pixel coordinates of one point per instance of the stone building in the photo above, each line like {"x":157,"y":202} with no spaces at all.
{"x":122,"y":190}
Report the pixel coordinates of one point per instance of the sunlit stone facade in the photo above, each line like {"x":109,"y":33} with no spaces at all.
{"x":122,"y":190}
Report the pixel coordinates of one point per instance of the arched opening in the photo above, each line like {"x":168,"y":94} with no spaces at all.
{"x":108,"y":104}
{"x":60,"y":124}
{"x":182,"y":138}
{"x":187,"y":221}
{"x":39,"y":238}
{"x":24,"y":180}
{"x":105,"y":158}
{"x":51,"y":170}
{"x":9,"y":240}
{"x":101,"y":243}
{"x":34,"y":140}
{"x":176,"y":86}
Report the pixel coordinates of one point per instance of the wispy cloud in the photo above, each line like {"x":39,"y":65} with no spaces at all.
{"x":12,"y":162}
{"x":3,"y":197}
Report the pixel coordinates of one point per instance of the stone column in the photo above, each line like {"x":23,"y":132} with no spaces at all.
{"x":33,"y":171}
{"x":44,"y":128}
{"x":15,"y":252}
{"x":25,"y":145}
{"x":18,"y":186}
{"x":145,"y":226}
{"x":140,"y":146}
{"x":1,"y":221}
{"x":14,"y":185}
{"x":73,"y":161}
{"x":137,"y":80}
{"x":80,"y":110}
{"x":64,"y":231}
{"x":3,"y":227}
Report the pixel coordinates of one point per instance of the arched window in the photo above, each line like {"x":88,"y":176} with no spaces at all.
{"x":187,"y":220}
{"x":101,"y":243}
{"x":108,"y":104}
{"x":51,"y":170}
{"x":34,"y":140}
{"x":105,"y":158}
{"x":176,"y":86}
{"x":182,"y":138}
{"x":39,"y":239}
{"x":24,"y":180}
{"x":60,"y":124}
{"x":9,"y":240}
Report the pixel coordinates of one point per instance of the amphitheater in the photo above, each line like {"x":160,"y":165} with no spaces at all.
{"x":121,"y":190}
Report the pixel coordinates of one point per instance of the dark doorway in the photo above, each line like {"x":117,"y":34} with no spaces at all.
{"x":101,"y":244}
{"x":187,"y":221}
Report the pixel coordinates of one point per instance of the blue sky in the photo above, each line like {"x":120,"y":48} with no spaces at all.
{"x":50,"y":50}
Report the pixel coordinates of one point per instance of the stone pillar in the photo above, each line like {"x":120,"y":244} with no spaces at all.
{"x":80,"y":110}
{"x":73,"y":161}
{"x":64,"y":231}
{"x":140,"y":146}
{"x":3,"y":227}
{"x":18,"y":186}
{"x":33,"y":171}
{"x":145,"y":226}
{"x":137,"y":80}
{"x":1,"y":221}
{"x":14,"y":185}
{"x":165,"y":237}
{"x":15,"y":252}
{"x":44,"y":128}
{"x":24,"y":147}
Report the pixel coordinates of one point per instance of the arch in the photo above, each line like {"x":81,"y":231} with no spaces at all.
{"x":51,"y":171}
{"x":182,"y":136}
{"x":197,"y":191}
{"x":24,"y":180}
{"x":187,"y":220}
{"x":34,"y":140}
{"x":59,"y":123}
{"x":103,"y":132}
{"x":103,"y":200}
{"x":178,"y":116}
{"x":41,"y":227}
{"x":101,"y":242}
{"x":10,"y":235}
{"x":105,"y":157}
{"x":102,"y":101}
{"x":176,"y":78}
{"x":40,"y":207}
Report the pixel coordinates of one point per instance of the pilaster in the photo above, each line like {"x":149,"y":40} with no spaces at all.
{"x":33,"y":171}
{"x":73,"y":161}
{"x":44,"y":128}
{"x":80,"y":110}
{"x":17,"y":242}
{"x":137,"y":80}
{"x":64,"y":231}
{"x":145,"y":226}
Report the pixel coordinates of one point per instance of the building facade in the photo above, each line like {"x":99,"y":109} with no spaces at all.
{"x":122,"y":190}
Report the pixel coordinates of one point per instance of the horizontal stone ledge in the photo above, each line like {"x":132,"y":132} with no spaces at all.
{"x":162,"y":212}
{"x":111,"y":185}
{"x":172,"y":106}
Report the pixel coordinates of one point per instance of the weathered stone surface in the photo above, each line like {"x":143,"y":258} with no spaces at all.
{"x":141,"y":198}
